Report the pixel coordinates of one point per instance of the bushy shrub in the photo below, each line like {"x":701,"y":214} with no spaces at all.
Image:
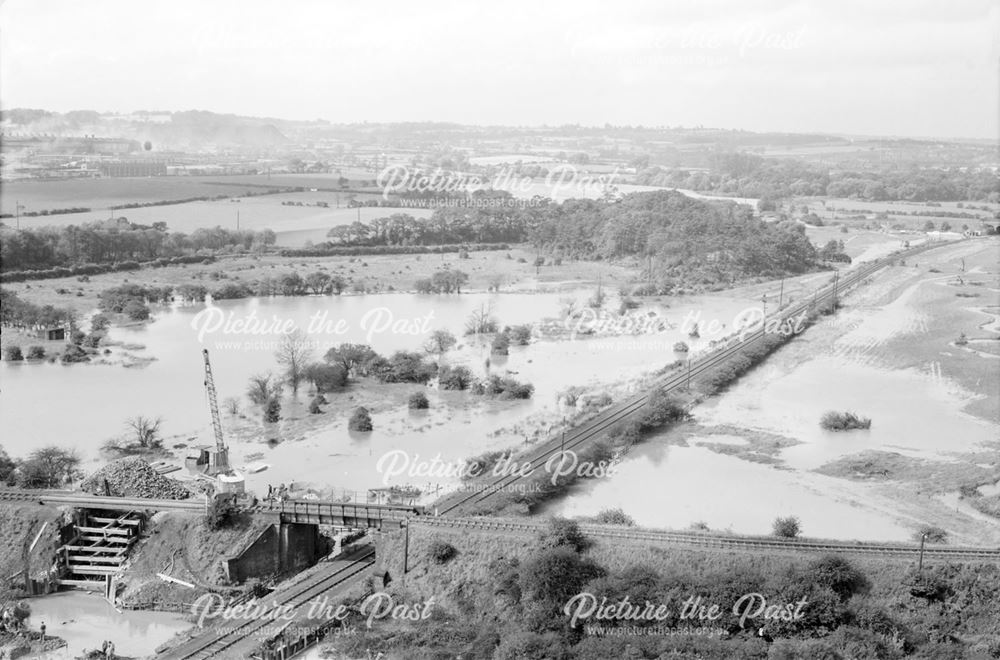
{"x":361,"y":420}
{"x":220,"y":513}
{"x":12,"y":353}
{"x":440,"y":552}
{"x":661,"y":409}
{"x":519,"y":334}
{"x":500,"y":345}
{"x":455,"y":378}
{"x":36,"y":352}
{"x":73,"y":353}
{"x":931,"y":534}
{"x":99,"y":322}
{"x":232,"y":291}
{"x":93,"y":340}
{"x":272,"y":410}
{"x":418,"y":401}
{"x":136,"y":310}
{"x":326,"y":377}
{"x":504,"y":388}
{"x":562,"y":532}
{"x":838,"y":575}
{"x":787,"y":528}
{"x":555,"y":575}
{"x":483,"y":463}
{"x":681,"y":347}
{"x":315,"y":404}
{"x":404,"y":367}
{"x":614,"y":517}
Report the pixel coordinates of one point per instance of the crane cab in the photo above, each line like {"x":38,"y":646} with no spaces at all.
{"x":208,"y":460}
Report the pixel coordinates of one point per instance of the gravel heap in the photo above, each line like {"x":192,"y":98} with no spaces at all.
{"x":133,"y":477}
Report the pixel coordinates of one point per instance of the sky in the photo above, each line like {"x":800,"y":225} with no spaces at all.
{"x":921,"y":68}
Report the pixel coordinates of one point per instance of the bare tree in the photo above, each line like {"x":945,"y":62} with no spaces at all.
{"x":232,"y":405}
{"x":568,"y":305}
{"x":146,"y":431}
{"x":481,"y":321}
{"x":294,"y":355}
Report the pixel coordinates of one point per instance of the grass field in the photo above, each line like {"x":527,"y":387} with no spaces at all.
{"x":101,"y":193}
{"x":899,"y":213}
{"x":378,"y":272}
{"x":293,"y":224}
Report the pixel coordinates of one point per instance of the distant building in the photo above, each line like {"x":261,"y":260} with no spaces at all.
{"x":122,"y":168}
{"x":51,"y":333}
{"x":991,"y":226}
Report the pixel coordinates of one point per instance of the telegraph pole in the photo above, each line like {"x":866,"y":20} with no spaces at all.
{"x":781,"y":292}
{"x":406,"y":548}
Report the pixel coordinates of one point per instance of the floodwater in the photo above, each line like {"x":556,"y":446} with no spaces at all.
{"x":90,"y":403}
{"x":674,"y":486}
{"x":86,"y":620}
{"x":662,"y":485}
{"x":914,"y":413}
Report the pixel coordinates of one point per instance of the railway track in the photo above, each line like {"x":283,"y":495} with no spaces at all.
{"x":619,"y":412}
{"x":216,"y":642}
{"x":721,"y":542}
{"x":78,"y":499}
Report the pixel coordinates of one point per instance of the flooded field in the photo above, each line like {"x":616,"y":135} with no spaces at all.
{"x":458,"y":425}
{"x":86,"y":620}
{"x":886,"y":356}
{"x":661,"y":485}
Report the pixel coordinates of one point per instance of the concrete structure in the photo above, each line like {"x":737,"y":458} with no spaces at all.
{"x":280,"y":548}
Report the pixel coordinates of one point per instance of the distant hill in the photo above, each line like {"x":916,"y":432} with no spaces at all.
{"x":189,"y":130}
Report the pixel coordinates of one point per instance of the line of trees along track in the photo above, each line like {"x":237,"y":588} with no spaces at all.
{"x":594,"y":429}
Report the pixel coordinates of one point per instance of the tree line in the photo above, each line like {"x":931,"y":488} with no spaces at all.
{"x":118,"y":240}
{"x":749,"y":175}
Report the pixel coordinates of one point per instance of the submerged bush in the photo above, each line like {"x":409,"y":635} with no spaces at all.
{"x":843,"y":421}
{"x":455,"y":378}
{"x":418,"y":401}
{"x":361,"y":420}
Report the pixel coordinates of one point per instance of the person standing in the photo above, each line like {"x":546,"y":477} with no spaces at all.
{"x":42,"y":627}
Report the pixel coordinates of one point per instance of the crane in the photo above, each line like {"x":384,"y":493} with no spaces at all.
{"x":211,"y":462}
{"x":213,"y":404}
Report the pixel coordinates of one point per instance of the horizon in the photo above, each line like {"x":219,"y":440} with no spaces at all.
{"x":605,"y":126}
{"x":894,"y":69}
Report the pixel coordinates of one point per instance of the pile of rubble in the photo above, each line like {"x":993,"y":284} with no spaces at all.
{"x":133,"y":477}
